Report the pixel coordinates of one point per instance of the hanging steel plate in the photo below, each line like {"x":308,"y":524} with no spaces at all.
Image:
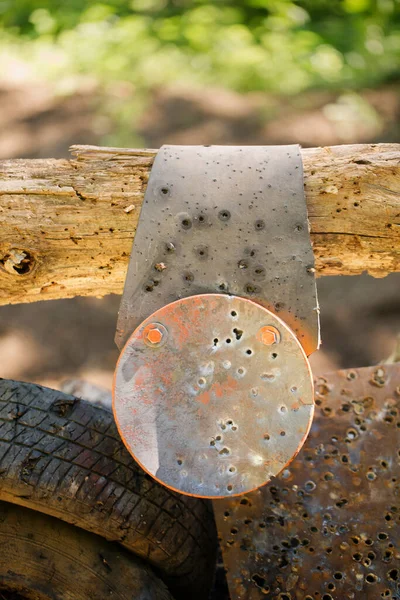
{"x":224,"y":219}
{"x":327,"y":527}
{"x":213,"y":395}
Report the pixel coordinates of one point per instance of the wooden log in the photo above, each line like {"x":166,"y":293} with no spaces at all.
{"x":67,"y":225}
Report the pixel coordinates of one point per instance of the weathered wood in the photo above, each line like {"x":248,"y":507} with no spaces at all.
{"x":67,"y":225}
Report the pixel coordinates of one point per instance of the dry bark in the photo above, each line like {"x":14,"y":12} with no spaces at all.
{"x":67,"y":225}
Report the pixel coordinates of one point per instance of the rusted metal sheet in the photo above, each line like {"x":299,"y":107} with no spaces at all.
{"x":224,"y":219}
{"x":213,"y":395}
{"x":327,"y":528}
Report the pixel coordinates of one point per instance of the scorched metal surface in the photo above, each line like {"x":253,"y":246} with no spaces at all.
{"x":327,"y":528}
{"x":213,"y":395}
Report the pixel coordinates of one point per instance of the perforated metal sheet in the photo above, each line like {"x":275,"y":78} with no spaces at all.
{"x":213,"y":395}
{"x":327,"y":528}
{"x":224,"y":219}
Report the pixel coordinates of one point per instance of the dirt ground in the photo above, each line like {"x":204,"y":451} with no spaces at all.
{"x":49,"y":342}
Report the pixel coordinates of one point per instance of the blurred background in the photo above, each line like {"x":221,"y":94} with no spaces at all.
{"x":147,"y":72}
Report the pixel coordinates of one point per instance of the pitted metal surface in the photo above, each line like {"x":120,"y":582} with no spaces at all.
{"x":327,"y":528}
{"x":213,"y":395}
{"x":223,"y":219}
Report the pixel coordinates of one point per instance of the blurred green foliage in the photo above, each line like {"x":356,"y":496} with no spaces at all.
{"x":279,"y":45}
{"x":283,"y":46}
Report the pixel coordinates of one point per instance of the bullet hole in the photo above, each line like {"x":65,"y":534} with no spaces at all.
{"x":234,"y":530}
{"x":338,"y":575}
{"x":371,"y":476}
{"x":342,"y":502}
{"x":233,"y":313}
{"x":243,"y":264}
{"x":179,"y":461}
{"x":371,"y":578}
{"x":267,"y":437}
{"x":224,"y":215}
{"x":228,"y":341}
{"x":229,"y":488}
{"x":188,"y":276}
{"x":357,"y":556}
{"x":249,"y":352}
{"x":259,"y":272}
{"x":165,"y":191}
{"x":274,"y":356}
{"x":186,"y":223}
{"x":201,"y":219}
{"x":238,"y":333}
{"x":251,"y":289}
{"x":215,"y":341}
{"x":282,"y":433}
{"x":245,"y":502}
{"x":222,"y":287}
{"x":202,"y":252}
{"x":329,"y":476}
{"x":259,"y":225}
{"x":382,"y":536}
{"x":224,"y":451}
{"x":393,"y":575}
{"x":310,"y":486}
{"x":232,"y":469}
{"x":260,"y":583}
{"x":169,"y":247}
{"x":299,"y":228}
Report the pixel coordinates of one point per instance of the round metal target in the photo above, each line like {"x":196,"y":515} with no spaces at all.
{"x":213,"y":395}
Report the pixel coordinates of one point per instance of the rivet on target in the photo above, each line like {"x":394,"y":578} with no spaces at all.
{"x":269,"y":335}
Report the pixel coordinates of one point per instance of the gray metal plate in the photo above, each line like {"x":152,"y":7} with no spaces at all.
{"x":228,"y":220}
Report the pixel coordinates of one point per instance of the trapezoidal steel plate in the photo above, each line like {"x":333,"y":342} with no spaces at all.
{"x":224,"y":219}
{"x":213,"y":395}
{"x":327,"y":528}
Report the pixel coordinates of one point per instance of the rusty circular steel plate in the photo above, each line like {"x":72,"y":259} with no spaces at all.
{"x":213,"y":395}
